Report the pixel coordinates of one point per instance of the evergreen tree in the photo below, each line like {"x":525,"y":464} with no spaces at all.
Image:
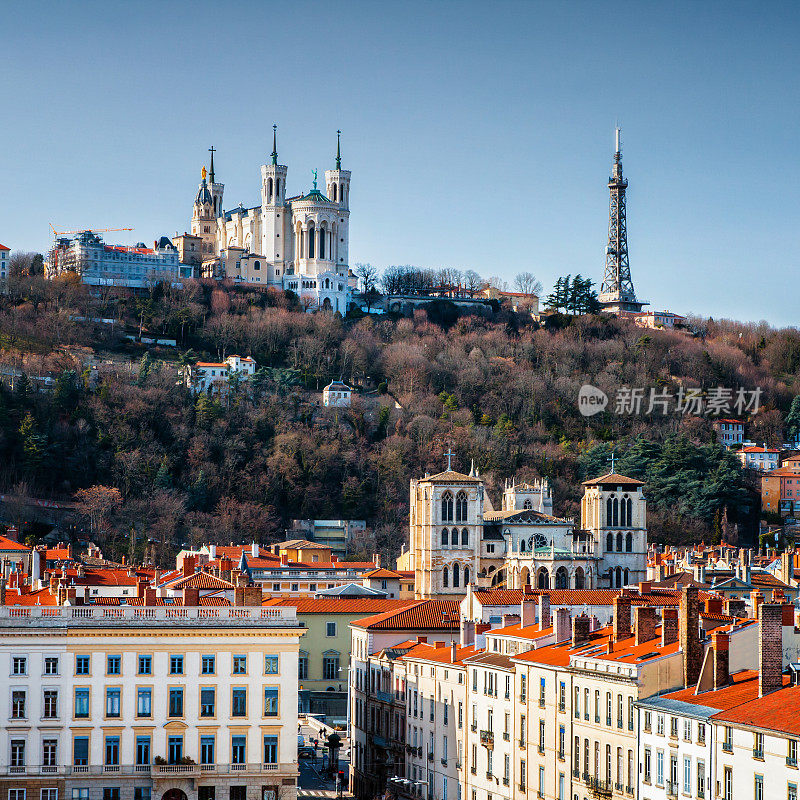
{"x":198,"y":493}
{"x":145,"y":365}
{"x":793,"y":418}
{"x":22,"y":388}
{"x":33,"y":443}
{"x":163,"y":480}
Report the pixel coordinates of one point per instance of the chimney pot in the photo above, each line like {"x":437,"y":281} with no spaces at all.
{"x":770,"y":648}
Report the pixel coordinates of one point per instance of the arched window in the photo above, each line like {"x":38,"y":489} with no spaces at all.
{"x":311,"y":239}
{"x":454,"y":537}
{"x":444,"y":537}
{"x":527,"y":504}
{"x":256,"y":265}
{"x":619,"y":577}
{"x":609,"y":542}
{"x":609,"y":512}
{"x":464,"y":537}
{"x":445,"y":577}
{"x":619,"y":542}
{"x":333,"y":192}
{"x":562,"y":578}
{"x":447,"y":507}
{"x":629,"y":504}
{"x":543,"y":579}
{"x":461,"y":507}
{"x":455,"y":576}
{"x":628,"y":542}
{"x":322,"y":236}
{"x":327,"y":281}
{"x":522,"y":545}
{"x":277,"y":189}
{"x":269,"y":190}
{"x":580,"y":580}
{"x":626,"y":577}
{"x":616,"y":512}
{"x":466,"y":576}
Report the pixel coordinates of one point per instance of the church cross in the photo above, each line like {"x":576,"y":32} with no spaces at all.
{"x":449,"y":455}
{"x":212,"y":149}
{"x":612,"y":460}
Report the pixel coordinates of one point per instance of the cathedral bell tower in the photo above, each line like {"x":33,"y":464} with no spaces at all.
{"x":276,"y":239}
{"x":337,"y":188}
{"x":614,"y":511}
{"x":204,"y":222}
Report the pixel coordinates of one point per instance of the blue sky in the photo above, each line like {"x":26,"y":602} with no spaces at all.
{"x":480,"y":135}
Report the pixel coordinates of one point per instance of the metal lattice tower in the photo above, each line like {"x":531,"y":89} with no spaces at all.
{"x":617,"y":292}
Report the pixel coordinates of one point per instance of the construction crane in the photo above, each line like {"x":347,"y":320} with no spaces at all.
{"x":88,"y":230}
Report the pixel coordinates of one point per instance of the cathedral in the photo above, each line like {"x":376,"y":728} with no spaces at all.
{"x":457,"y":538}
{"x":298,"y":243}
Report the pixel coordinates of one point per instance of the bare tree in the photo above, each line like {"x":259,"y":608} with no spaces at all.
{"x":21,"y":263}
{"x":472,"y":281}
{"x":526,"y":283}
{"x":368,"y":275}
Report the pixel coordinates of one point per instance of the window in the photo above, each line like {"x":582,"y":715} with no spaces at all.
{"x":727,"y":784}
{"x":208,"y":665}
{"x":51,"y":666}
{"x":111,"y":793}
{"x":18,"y":704}
{"x":207,"y":702}
{"x":144,"y":702}
{"x":113,"y":665}
{"x":701,"y":778}
{"x":270,"y":749}
{"x":174,"y":749}
{"x":659,"y":768}
{"x":206,"y":749}
{"x":271,"y":701}
{"x":238,"y":750}
{"x":330,"y":668}
{"x":112,"y":751}
{"x":791,"y":791}
{"x":19,"y":665}
{"x":49,"y":752}
{"x":791,"y":753}
{"x":145,"y":664}
{"x":19,"y":794}
{"x":81,"y":665}
{"x":561,"y":741}
{"x":758,"y":787}
{"x":541,"y":691}
{"x":330,"y":629}
{"x":141,"y":793}
{"x":562,"y":696}
{"x":142,"y":750}
{"x":80,"y":751}
{"x":175,"y":703}
{"x":687,"y":775}
{"x":82,"y":703}
{"x":727,"y":742}
{"x":660,"y":724}
{"x":673,"y":727}
{"x":48,"y":794}
{"x":239,"y":703}
{"x":17,"y":752}
{"x":701,"y":732}
{"x":608,"y":709}
{"x":176,"y":665}
{"x":647,"y":764}
{"x":50,"y":704}
{"x":758,"y":745}
{"x":302,"y":667}
{"x":206,"y":793}
{"x":270,"y":665}
{"x":240,"y":665}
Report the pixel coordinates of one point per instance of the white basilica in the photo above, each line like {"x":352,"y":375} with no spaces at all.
{"x":457,"y":538}
{"x":295,"y":243}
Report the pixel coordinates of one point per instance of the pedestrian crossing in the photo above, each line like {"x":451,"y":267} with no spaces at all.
{"x":327,"y":793}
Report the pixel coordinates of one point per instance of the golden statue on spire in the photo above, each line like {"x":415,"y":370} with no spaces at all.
{"x":203,"y":172}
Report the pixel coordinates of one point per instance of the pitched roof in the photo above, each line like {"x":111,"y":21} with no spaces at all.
{"x":742,"y":688}
{"x":573,"y":597}
{"x":451,"y":476}
{"x":442,"y":655}
{"x":201,"y":580}
{"x":10,"y":544}
{"x":615,"y":478}
{"x":303,"y":544}
{"x":421,"y":615}
{"x":521,"y":514}
{"x":758,"y":449}
{"x":492,"y":660}
{"x":344,"y":605}
{"x":382,"y":573}
{"x":776,"y":711}
{"x":3,"y":247}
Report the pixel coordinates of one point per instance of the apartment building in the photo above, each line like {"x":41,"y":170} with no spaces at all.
{"x":129,"y":703}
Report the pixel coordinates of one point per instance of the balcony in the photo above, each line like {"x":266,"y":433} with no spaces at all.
{"x":384,"y":697}
{"x":598,"y":787}
{"x":430,"y":755}
{"x":521,"y":744}
{"x":758,"y":753}
{"x":791,"y":762}
{"x":727,"y":747}
{"x":672,"y":788}
{"x":487,"y":739}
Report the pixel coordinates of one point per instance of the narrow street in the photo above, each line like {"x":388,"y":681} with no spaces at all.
{"x":313,"y":780}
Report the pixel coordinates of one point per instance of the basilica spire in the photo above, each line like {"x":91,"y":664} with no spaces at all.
{"x":211,"y":150}
{"x":275,"y":144}
{"x":338,"y":150}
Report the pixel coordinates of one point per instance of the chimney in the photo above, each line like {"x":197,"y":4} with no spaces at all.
{"x":510,"y":619}
{"x":563,"y":625}
{"x":544,"y":611}
{"x":284,"y":558}
{"x":149,"y":596}
{"x":714,"y":604}
{"x":735,"y":607}
{"x":467,"y":632}
{"x":688,"y":623}
{"x":212,"y":552}
{"x":645,"y":587}
{"x":527,"y":612}
{"x":622,"y":617}
{"x":644,"y":624}
{"x":141,"y":585}
{"x":669,"y":626}
{"x":756,"y":599}
{"x":376,"y":558}
{"x":2,"y":591}
{"x":453,"y":651}
{"x":787,"y":617}
{"x":721,"y":644}
{"x":787,"y":567}
{"x":580,"y":630}
{"x":254,"y":550}
{"x":191,"y":597}
{"x":770,"y":648}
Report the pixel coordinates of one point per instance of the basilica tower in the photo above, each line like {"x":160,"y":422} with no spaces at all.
{"x":276,"y":240}
{"x":337,"y":187}
{"x":614,"y":511}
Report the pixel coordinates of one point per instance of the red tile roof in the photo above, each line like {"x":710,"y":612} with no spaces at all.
{"x":518,"y":632}
{"x":776,"y":711}
{"x":422,"y":615}
{"x":10,"y":544}
{"x":614,"y":477}
{"x":344,"y":605}
{"x":382,"y":573}
{"x":441,"y":655}
{"x":572,"y":597}
{"x":42,"y":597}
{"x":201,"y":580}
{"x":3,"y":247}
